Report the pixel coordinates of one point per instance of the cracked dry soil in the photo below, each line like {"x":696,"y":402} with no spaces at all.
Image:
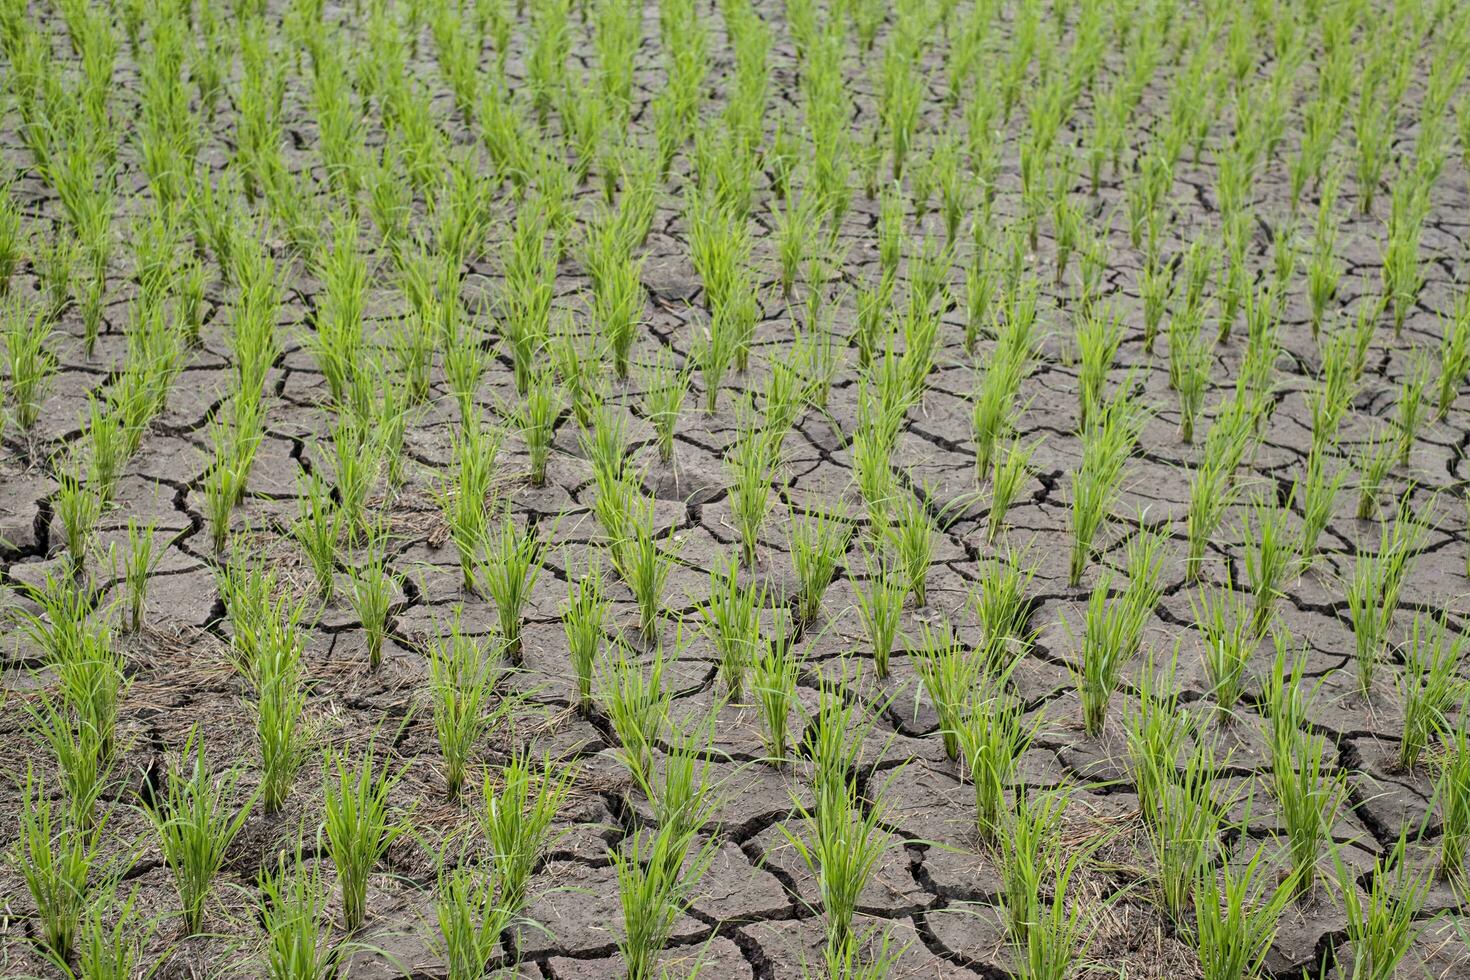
{"x":756,"y":913}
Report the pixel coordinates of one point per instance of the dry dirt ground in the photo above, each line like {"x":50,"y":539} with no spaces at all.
{"x":755,"y":913}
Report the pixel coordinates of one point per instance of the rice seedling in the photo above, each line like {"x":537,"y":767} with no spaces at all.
{"x":280,"y":705}
{"x":912,"y":536}
{"x":731,"y":617}
{"x":1107,"y":442}
{"x":993,"y":735}
{"x":1003,"y":607}
{"x":1412,"y":402}
{"x":1062,"y":931}
{"x":78,"y":509}
{"x":1452,"y":801}
{"x":469,"y":918}
{"x":1236,"y":914}
{"x":318,"y":530}
{"x":880,"y":605}
{"x":637,"y":705}
{"x":948,"y":670}
{"x":1454,"y":356}
{"x":1308,"y":792}
{"x":1383,"y":925}
{"x":356,"y":463}
{"x":773,"y":681}
{"x":752,"y":462}
{"x":195,"y":827}
{"x":665,"y":389}
{"x":1269,"y":556}
{"x":643,"y":561}
{"x":1099,"y":335}
{"x":1429,"y":687}
{"x":1211,"y":491}
{"x":842,"y":845}
{"x":372,"y":587}
{"x":536,"y":418}
{"x":1111,"y":631}
{"x":583,"y":619}
{"x":1316,"y":494}
{"x":993,"y":409}
{"x":56,"y":858}
{"x":520,"y":807}
{"x":357,"y":825}
{"x":1373,"y":460}
{"x":818,"y":541}
{"x":1010,"y":471}
{"x":1227,"y":626}
{"x":1031,"y":850}
{"x":512,"y":563}
{"x":1374,"y":587}
{"x":30,"y":364}
{"x":299,"y":944}
{"x":462,"y":679}
{"x":111,"y":939}
{"x":658,"y":874}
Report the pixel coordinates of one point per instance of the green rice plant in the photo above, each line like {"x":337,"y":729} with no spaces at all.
{"x":1211,"y":492}
{"x":512,"y":563}
{"x":78,"y":508}
{"x":1308,"y":792}
{"x":578,"y":367}
{"x":1316,"y":494}
{"x":1112,"y":626}
{"x":1227,"y":627}
{"x":318,"y":530}
{"x":1269,"y":556}
{"x":465,"y":363}
{"x":658,"y":876}
{"x":605,"y":441}
{"x":55,"y":857}
{"x":29,"y":363}
{"x":683,"y":794}
{"x":912,"y":536}
{"x":1402,"y":277}
{"x":783,"y":403}
{"x":752,"y":462}
{"x":1062,"y":931}
{"x":1010,"y":470}
{"x":1236,"y":913}
{"x":140,"y":559}
{"x":1454,"y":356}
{"x":583,"y":619}
{"x":842,"y":845}
{"x":664,"y":391}
{"x":293,"y":908}
{"x":1412,"y":402}
{"x":1107,"y":442}
{"x":1429,"y":687}
{"x":948,"y":670}
{"x":818,"y":541}
{"x":356,"y":462}
{"x":731,"y":617}
{"x":644,"y":562}
{"x":1373,"y":460}
{"x":357,"y":825}
{"x":1452,"y":801}
{"x":1099,"y":333}
{"x":994,"y":733}
{"x":469,"y":917}
{"x":993,"y":408}
{"x":880,"y":605}
{"x":463,"y":496}
{"x":1031,"y":849}
{"x":462,"y":678}
{"x":195,"y":827}
{"x":1003,"y":607}
{"x":715,"y":350}
{"x":236,"y":433}
{"x":1190,"y":360}
{"x":1323,"y":268}
{"x":109,"y":446}
{"x":872,"y":320}
{"x":13,"y":239}
{"x":520,"y":807}
{"x":1383,"y":925}
{"x":373,"y":585}
{"x":773,"y":680}
{"x":111,"y":939}
{"x":637,"y":705}
{"x":536,"y":417}
{"x":280,"y":704}
{"x":1374,"y":587}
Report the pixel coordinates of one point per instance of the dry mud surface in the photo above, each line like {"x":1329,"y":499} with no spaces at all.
{"x":756,"y":912}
